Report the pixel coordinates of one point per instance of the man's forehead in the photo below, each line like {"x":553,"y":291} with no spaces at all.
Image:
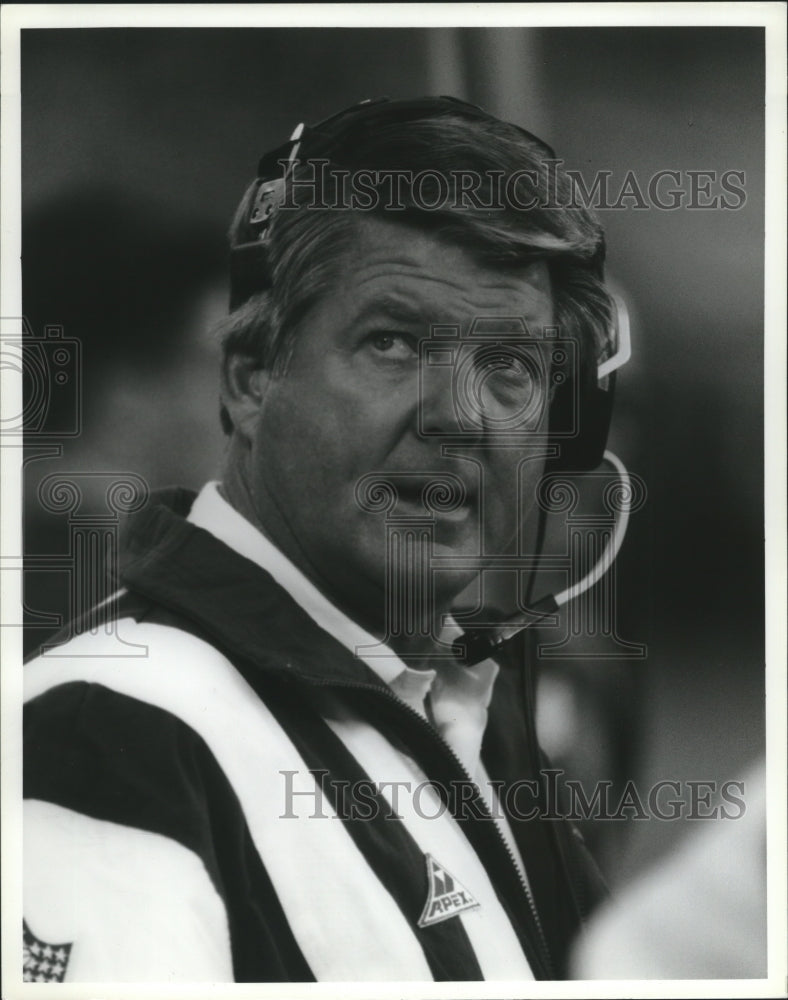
{"x":408,"y":274}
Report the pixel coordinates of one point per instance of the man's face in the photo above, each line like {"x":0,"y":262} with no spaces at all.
{"x":357,"y":399}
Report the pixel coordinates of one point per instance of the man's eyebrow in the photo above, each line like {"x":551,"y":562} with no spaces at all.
{"x":400,"y":309}
{"x":393,"y":307}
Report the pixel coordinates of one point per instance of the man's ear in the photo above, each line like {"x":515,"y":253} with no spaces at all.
{"x":244,"y":386}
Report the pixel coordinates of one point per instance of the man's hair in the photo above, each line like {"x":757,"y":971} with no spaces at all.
{"x":306,"y":244}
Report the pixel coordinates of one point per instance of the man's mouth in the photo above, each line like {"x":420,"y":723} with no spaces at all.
{"x":441,"y":498}
{"x":414,"y":503}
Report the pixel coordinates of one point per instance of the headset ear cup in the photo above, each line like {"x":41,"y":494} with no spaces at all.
{"x":579,"y":424}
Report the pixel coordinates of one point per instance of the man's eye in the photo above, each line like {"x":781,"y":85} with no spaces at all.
{"x":508,"y":364}
{"x":395,"y":346}
{"x":503,"y":366}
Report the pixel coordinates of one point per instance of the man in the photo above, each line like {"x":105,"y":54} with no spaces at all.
{"x":300,"y":781}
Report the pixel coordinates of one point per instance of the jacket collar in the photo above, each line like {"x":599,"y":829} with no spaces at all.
{"x":212,"y":512}
{"x":235,"y":602}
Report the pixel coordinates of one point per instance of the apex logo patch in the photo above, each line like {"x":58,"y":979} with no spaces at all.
{"x":42,"y":962}
{"x":445,"y":896}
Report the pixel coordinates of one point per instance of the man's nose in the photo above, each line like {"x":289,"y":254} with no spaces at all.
{"x":438,"y":410}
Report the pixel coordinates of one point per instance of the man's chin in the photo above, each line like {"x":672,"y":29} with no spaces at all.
{"x":415,"y":596}
{"x":403,"y":573}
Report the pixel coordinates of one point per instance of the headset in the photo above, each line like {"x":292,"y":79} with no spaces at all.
{"x":585,"y":398}
{"x":336,"y":139}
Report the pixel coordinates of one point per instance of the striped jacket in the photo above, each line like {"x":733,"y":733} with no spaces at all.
{"x":200,"y":809}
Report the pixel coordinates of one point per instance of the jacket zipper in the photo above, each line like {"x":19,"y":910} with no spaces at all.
{"x":529,"y":696}
{"x":542,"y":949}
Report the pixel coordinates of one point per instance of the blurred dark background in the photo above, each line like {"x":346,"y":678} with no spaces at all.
{"x":136,"y":147}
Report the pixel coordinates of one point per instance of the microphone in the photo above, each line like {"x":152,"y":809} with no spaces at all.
{"x":476,"y":645}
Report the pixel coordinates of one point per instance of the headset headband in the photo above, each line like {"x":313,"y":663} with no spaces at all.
{"x":335,"y":140}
